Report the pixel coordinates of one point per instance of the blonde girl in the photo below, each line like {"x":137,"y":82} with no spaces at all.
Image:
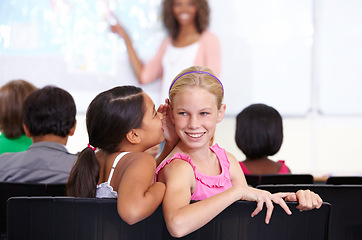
{"x":194,"y":170}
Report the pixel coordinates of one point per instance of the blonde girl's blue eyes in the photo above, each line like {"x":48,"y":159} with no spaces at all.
{"x":201,"y":113}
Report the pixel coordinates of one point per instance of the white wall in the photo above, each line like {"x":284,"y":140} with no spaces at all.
{"x":323,"y":146}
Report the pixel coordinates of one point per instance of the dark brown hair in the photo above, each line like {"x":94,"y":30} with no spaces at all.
{"x":12,"y":96}
{"x":259,"y":131}
{"x":49,"y":110}
{"x":110,"y":116}
{"x":173,"y":27}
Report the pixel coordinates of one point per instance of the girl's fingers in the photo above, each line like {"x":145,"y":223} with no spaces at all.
{"x":319,"y":201}
{"x":288,"y":195}
{"x":269,"y":211}
{"x":291,"y":198}
{"x":309,"y":200}
{"x":316,"y":203}
{"x":282,"y":203}
{"x":160,"y":108}
{"x":302,"y":200}
{"x":258,"y":208}
{"x":278,"y":198}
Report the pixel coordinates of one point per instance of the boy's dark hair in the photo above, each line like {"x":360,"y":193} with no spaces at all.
{"x":259,"y":131}
{"x":50,"y":110}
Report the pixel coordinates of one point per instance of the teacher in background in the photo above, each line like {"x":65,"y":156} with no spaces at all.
{"x":188,"y":43}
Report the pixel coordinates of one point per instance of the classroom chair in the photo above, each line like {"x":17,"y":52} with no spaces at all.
{"x":8,"y":189}
{"x":346,"y":180}
{"x":255,"y":180}
{"x":59,"y":218}
{"x":346,"y":215}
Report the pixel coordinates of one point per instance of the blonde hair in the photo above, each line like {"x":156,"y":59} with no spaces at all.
{"x":198,"y":76}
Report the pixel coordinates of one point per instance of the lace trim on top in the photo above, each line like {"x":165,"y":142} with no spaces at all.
{"x":105,"y":190}
{"x":210,"y":181}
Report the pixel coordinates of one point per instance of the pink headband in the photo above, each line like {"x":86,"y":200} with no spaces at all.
{"x":173,"y":82}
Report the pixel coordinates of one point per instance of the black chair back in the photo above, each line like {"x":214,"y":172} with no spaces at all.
{"x":346,"y":215}
{"x":97,"y":219}
{"x":8,"y":189}
{"x":255,"y":180}
{"x":345,"y":180}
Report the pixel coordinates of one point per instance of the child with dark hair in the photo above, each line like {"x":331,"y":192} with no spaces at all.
{"x":122,"y":123}
{"x":259,"y":134}
{"x":49,"y":119}
{"x":12,"y":136}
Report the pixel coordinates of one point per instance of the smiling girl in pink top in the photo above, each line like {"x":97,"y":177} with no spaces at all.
{"x":194,"y":170}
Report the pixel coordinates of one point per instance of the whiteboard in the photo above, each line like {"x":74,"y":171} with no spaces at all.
{"x":285,"y":53}
{"x":339,"y":57}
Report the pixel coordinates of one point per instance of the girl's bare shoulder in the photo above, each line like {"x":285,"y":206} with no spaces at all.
{"x":139,"y":158}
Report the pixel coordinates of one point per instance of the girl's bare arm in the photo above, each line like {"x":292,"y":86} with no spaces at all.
{"x":138,"y":194}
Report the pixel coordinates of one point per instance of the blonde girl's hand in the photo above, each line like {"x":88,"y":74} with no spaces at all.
{"x":168,"y":127}
{"x":307,"y":199}
{"x":264,"y":197}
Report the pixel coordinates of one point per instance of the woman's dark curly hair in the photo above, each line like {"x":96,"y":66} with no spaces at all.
{"x":173,"y":27}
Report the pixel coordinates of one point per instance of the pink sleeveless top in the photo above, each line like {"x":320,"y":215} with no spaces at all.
{"x":283,"y":169}
{"x":206,"y":186}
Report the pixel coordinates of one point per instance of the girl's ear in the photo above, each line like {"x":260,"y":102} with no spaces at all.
{"x":221,"y":113}
{"x":133,"y":136}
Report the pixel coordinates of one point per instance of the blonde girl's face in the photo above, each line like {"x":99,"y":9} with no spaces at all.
{"x":195,"y":116}
{"x":185,"y":11}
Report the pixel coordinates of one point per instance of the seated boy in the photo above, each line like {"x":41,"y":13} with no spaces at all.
{"x":49,"y":119}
